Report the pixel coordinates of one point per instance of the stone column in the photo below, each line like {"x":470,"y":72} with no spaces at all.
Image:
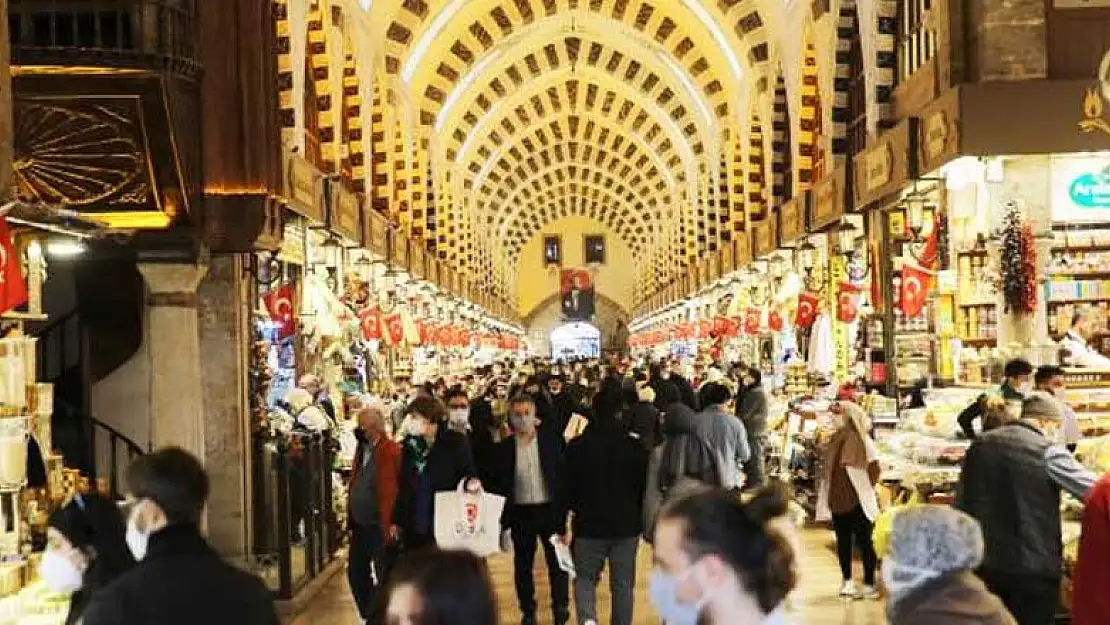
{"x":173,"y":345}
{"x":1010,"y":39}
{"x":225,"y":335}
{"x":5,"y":106}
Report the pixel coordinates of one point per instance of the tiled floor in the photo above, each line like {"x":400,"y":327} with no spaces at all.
{"x":815,"y":603}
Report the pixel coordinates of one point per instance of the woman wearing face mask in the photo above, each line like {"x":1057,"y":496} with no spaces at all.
{"x":847,"y":496}
{"x":929,"y":571}
{"x":721,"y":562}
{"x":85,"y":550}
{"x":434,"y":458}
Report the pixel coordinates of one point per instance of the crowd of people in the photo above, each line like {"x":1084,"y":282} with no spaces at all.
{"x":602,"y":458}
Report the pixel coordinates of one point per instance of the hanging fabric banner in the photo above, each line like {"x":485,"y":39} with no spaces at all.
{"x":847,"y":302}
{"x":278,"y":302}
{"x":807,"y":310}
{"x":914,"y":290}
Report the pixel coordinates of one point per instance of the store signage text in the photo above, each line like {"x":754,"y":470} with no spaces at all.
{"x":1091,"y":190}
{"x":937,"y":133}
{"x":825,"y":201}
{"x":878,"y":168}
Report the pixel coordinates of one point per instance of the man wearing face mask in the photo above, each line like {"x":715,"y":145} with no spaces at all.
{"x":179,"y":580}
{"x":722,"y":562}
{"x":434,"y":459}
{"x":1016,"y":384}
{"x":531,"y":475}
{"x":1050,"y":379}
{"x":375,"y":471}
{"x":458,"y":410}
{"x":1015,"y":473}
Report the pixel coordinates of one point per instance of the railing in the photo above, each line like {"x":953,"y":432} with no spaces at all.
{"x":295,"y":530}
{"x":142,"y":34}
{"x":120,"y":450}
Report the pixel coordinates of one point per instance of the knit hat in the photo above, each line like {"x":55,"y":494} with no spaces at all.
{"x":1041,"y":406}
{"x":936,"y":538}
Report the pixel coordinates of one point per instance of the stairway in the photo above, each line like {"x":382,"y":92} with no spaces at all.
{"x":79,"y":347}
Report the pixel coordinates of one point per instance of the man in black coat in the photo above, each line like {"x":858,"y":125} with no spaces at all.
{"x":179,"y":579}
{"x":607,"y":470}
{"x":531,"y":475}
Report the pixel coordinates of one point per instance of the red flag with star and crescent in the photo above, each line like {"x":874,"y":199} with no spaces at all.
{"x":394,"y":329}
{"x":278,"y":302}
{"x":370,"y":319}
{"x":915,"y":289}
{"x":807,"y":310}
{"x":13,"y":288}
{"x":847,"y":302}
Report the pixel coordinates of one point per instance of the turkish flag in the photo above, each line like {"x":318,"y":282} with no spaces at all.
{"x":278,"y":302}
{"x":807,"y":310}
{"x":847,"y":302}
{"x":774,"y":321}
{"x":928,"y":254}
{"x":752,"y":317}
{"x":370,"y":319}
{"x":731,"y":327}
{"x":13,"y":288}
{"x":394,"y":329}
{"x":915,"y":289}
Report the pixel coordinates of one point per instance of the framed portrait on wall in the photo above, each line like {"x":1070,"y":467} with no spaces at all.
{"x":594,"y":252}
{"x":552,"y":249}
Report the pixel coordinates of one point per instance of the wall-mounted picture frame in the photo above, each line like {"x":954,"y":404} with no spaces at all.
{"x":594,"y":249}
{"x":552,"y":249}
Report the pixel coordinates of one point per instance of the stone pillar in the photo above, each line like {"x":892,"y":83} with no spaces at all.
{"x":5,"y":107}
{"x":173,"y":346}
{"x":225,"y":335}
{"x":1010,"y":39}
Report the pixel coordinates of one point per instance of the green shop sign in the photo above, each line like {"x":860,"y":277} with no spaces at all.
{"x":1091,"y":190}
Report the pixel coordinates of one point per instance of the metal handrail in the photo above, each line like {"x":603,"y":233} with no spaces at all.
{"x":125,"y":33}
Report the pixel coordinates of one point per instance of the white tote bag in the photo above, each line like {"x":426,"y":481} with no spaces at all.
{"x":469,"y":521}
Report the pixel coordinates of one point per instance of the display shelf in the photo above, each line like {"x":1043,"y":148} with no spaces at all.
{"x":977,"y":304}
{"x":1077,"y":300}
{"x":978,"y":340}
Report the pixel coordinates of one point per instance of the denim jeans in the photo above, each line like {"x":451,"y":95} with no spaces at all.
{"x":590,"y":555}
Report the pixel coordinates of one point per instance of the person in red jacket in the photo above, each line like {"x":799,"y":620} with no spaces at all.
{"x":1091,"y":596}
{"x":375,"y":476}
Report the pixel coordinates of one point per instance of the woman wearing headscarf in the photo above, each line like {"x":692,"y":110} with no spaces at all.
{"x":847,"y":496}
{"x":85,"y":550}
{"x":929,"y":571}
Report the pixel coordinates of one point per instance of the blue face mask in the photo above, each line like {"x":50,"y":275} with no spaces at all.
{"x":663,"y":593}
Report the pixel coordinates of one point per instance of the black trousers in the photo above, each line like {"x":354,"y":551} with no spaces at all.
{"x":366,"y":569}
{"x":855,"y":528}
{"x":532,"y":524}
{"x":1032,"y":599}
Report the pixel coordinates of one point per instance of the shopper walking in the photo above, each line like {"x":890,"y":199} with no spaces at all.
{"x":433,"y":458}
{"x":1016,"y":383}
{"x":85,"y":551}
{"x":375,"y":473}
{"x":752,"y":408}
{"x":607,"y":468}
{"x":458,"y":410}
{"x":1091,"y":599}
{"x":683,"y":463}
{"x":929,"y":571}
{"x":179,"y":579}
{"x":640,"y":416}
{"x":531,"y":475}
{"x":721,"y":562}
{"x":847,"y":496}
{"x":1011,"y":482}
{"x":440,"y":588}
{"x":724,"y":434}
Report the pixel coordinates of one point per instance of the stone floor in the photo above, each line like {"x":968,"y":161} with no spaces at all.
{"x":815,"y":602}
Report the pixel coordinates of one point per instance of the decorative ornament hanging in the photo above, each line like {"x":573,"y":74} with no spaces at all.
{"x":1018,"y":263}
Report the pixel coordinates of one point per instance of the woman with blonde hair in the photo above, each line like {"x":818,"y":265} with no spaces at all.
{"x":847,"y":495}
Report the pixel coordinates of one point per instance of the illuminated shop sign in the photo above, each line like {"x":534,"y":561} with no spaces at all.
{"x":1091,"y":190}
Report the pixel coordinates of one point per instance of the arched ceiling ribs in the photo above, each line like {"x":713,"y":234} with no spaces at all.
{"x":519,"y":174}
{"x":585,"y":93}
{"x":423,"y":37}
{"x":522,"y":59}
{"x":601,"y":131}
{"x":564,"y":201}
{"x":532,"y":206}
{"x":635,"y":209}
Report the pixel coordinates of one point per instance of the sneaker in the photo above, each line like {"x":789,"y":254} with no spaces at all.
{"x":848,"y":589}
{"x":869,"y":593}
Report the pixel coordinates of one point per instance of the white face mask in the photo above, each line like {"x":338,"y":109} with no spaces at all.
{"x":59,"y":573}
{"x":459,"y":416}
{"x":137,"y":541}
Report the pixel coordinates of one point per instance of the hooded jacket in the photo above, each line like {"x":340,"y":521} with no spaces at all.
{"x":957,"y":599}
{"x":684,"y":454}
